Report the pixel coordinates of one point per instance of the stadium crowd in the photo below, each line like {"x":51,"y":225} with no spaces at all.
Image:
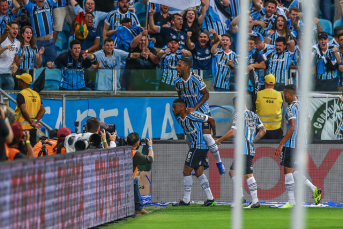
{"x":117,"y":34}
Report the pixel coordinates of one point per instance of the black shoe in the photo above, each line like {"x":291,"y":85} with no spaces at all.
{"x":181,"y":203}
{"x":209,"y":203}
{"x":242,"y":201}
{"x":251,"y":205}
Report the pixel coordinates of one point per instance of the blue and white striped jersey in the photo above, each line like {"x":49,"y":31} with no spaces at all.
{"x":267,"y":48}
{"x":114,"y":18}
{"x":275,"y":35}
{"x":29,"y":57}
{"x":260,"y":16}
{"x":333,"y":42}
{"x":212,"y":21}
{"x":252,"y":124}
{"x":279,"y":64}
{"x":292,"y":112}
{"x":62,"y":3}
{"x":191,"y":91}
{"x":41,"y":18}
{"x":4,"y":20}
{"x":320,"y":60}
{"x":221,"y":70}
{"x":192,"y":126}
{"x":168,"y":67}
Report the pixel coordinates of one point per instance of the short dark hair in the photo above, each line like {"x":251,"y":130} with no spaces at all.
{"x":108,"y":39}
{"x":291,"y":88}
{"x":74,"y":42}
{"x":13,"y":23}
{"x":281,"y":39}
{"x":339,"y":35}
{"x":187,"y":61}
{"x":132,"y":139}
{"x":251,"y":38}
{"x":294,"y":8}
{"x":53,"y":133}
{"x":337,"y":30}
{"x":93,"y":125}
{"x":172,"y":17}
{"x":273,"y":2}
{"x":227,"y":35}
{"x":179,"y":100}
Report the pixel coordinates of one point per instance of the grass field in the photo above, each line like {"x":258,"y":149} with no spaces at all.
{"x":195,"y":216}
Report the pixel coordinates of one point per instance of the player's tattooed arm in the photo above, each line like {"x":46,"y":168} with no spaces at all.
{"x":261,"y":132}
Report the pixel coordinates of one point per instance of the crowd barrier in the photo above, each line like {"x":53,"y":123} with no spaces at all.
{"x":324,"y":169}
{"x":77,"y":190}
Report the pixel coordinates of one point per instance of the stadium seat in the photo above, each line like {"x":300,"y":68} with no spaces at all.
{"x":140,"y":12}
{"x":327,"y":26}
{"x":337,"y":23}
{"x":52,"y":85}
{"x":61,"y":43}
{"x":53,"y":74}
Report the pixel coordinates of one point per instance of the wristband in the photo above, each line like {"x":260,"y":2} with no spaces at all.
{"x":150,"y":147}
{"x":104,"y":141}
{"x":28,"y":142}
{"x":6,"y":120}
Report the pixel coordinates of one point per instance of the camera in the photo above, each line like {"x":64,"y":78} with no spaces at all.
{"x":122,"y":142}
{"x":77,"y":142}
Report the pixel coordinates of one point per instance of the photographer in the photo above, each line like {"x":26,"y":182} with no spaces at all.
{"x":93,"y":126}
{"x":107,"y":135}
{"x":6,"y":134}
{"x":139,"y":159}
{"x":50,"y":148}
{"x":61,"y":135}
{"x":20,"y":147}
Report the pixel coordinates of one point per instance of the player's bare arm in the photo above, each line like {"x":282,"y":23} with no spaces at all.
{"x":227,"y":136}
{"x":288,"y":134}
{"x":261,"y":132}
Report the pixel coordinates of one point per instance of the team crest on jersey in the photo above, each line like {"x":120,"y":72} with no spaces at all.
{"x":207,"y":51}
{"x":198,"y":53}
{"x":182,"y":37}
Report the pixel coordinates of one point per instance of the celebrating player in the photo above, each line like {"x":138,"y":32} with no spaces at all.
{"x":288,"y":145}
{"x":197,"y":155}
{"x":192,"y":89}
{"x":252,"y":123}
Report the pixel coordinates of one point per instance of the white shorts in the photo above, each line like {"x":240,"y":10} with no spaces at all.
{"x":61,"y":13}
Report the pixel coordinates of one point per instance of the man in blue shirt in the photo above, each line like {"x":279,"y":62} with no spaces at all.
{"x":72,"y":65}
{"x":196,"y":158}
{"x":252,"y":123}
{"x":92,"y":41}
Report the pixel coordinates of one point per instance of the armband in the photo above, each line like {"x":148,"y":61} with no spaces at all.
{"x":28,"y":142}
{"x":104,"y":141}
{"x":150,"y":147}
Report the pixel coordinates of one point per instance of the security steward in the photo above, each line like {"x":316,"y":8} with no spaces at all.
{"x":30,"y":109}
{"x":268,"y":107}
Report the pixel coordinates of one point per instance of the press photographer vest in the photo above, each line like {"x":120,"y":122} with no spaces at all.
{"x":135,"y":171}
{"x":268,"y":107}
{"x":11,"y":152}
{"x":32,"y":105}
{"x":49,"y":148}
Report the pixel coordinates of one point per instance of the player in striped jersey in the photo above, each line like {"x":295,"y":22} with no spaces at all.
{"x":192,"y":89}
{"x":196,"y":159}
{"x":252,"y":123}
{"x":115,"y":17}
{"x":265,"y":19}
{"x":287,"y":147}
{"x":224,"y":61}
{"x":326,"y":60}
{"x":280,"y":60}
{"x":280,"y":30}
{"x":170,"y":58}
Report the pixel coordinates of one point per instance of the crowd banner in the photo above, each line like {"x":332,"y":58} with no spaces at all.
{"x":76,"y":190}
{"x":324,"y":169}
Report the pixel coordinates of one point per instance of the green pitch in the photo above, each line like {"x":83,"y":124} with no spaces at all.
{"x":195,"y":216}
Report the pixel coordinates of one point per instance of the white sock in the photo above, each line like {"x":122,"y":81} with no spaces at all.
{"x":306,"y":181}
{"x":234,"y":181}
{"x":289,"y":183}
{"x":187,"y":185}
{"x":205,"y":186}
{"x":252,"y":185}
{"x":212,"y":146}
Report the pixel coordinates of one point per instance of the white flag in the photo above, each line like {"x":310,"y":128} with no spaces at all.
{"x":178,"y":4}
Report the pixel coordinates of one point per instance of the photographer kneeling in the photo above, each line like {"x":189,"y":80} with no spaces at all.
{"x":49,"y":144}
{"x":139,"y":159}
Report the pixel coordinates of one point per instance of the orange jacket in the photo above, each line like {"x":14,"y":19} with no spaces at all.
{"x":133,"y":154}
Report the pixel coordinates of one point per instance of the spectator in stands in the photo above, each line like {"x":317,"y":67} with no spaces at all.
{"x":192,"y":22}
{"x":224,"y":62}
{"x":336,"y":31}
{"x":169,"y":59}
{"x":262,"y":47}
{"x":265,"y":18}
{"x":28,"y":56}
{"x":140,"y":73}
{"x":114,"y":18}
{"x":5,"y":14}
{"x":42,"y":24}
{"x":174,"y":30}
{"x":89,"y":7}
{"x":20,"y":147}
{"x":50,"y":149}
{"x":201,"y":54}
{"x":92,"y":41}
{"x":72,"y":65}
{"x":212,"y":21}
{"x":8,"y":49}
{"x":340,"y":67}
{"x":61,"y":135}
{"x":280,"y":60}
{"x":326,"y":63}
{"x":108,"y":58}
{"x":293,"y":22}
{"x":125,"y":34}
{"x":254,"y":65}
{"x":62,"y":11}
{"x":161,"y":18}
{"x":138,"y":158}
{"x":6,"y":133}
{"x":280,"y":30}
{"x":30,"y":109}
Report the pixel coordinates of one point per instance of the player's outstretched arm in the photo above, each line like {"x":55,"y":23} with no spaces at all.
{"x":228,"y":135}
{"x":288,"y":134}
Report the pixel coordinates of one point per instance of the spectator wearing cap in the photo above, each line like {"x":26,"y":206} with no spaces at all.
{"x":8,"y":49}
{"x":326,"y":62}
{"x":174,"y":30}
{"x":30,"y":109}
{"x":61,"y":135}
{"x":169,"y":59}
{"x":50,"y":144}
{"x":268,"y":107}
{"x":20,"y":147}
{"x":201,"y":54}
{"x":92,"y":41}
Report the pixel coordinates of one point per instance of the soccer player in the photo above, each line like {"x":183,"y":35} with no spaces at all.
{"x":197,"y":155}
{"x":288,"y":145}
{"x":192,"y":89}
{"x":252,"y":124}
